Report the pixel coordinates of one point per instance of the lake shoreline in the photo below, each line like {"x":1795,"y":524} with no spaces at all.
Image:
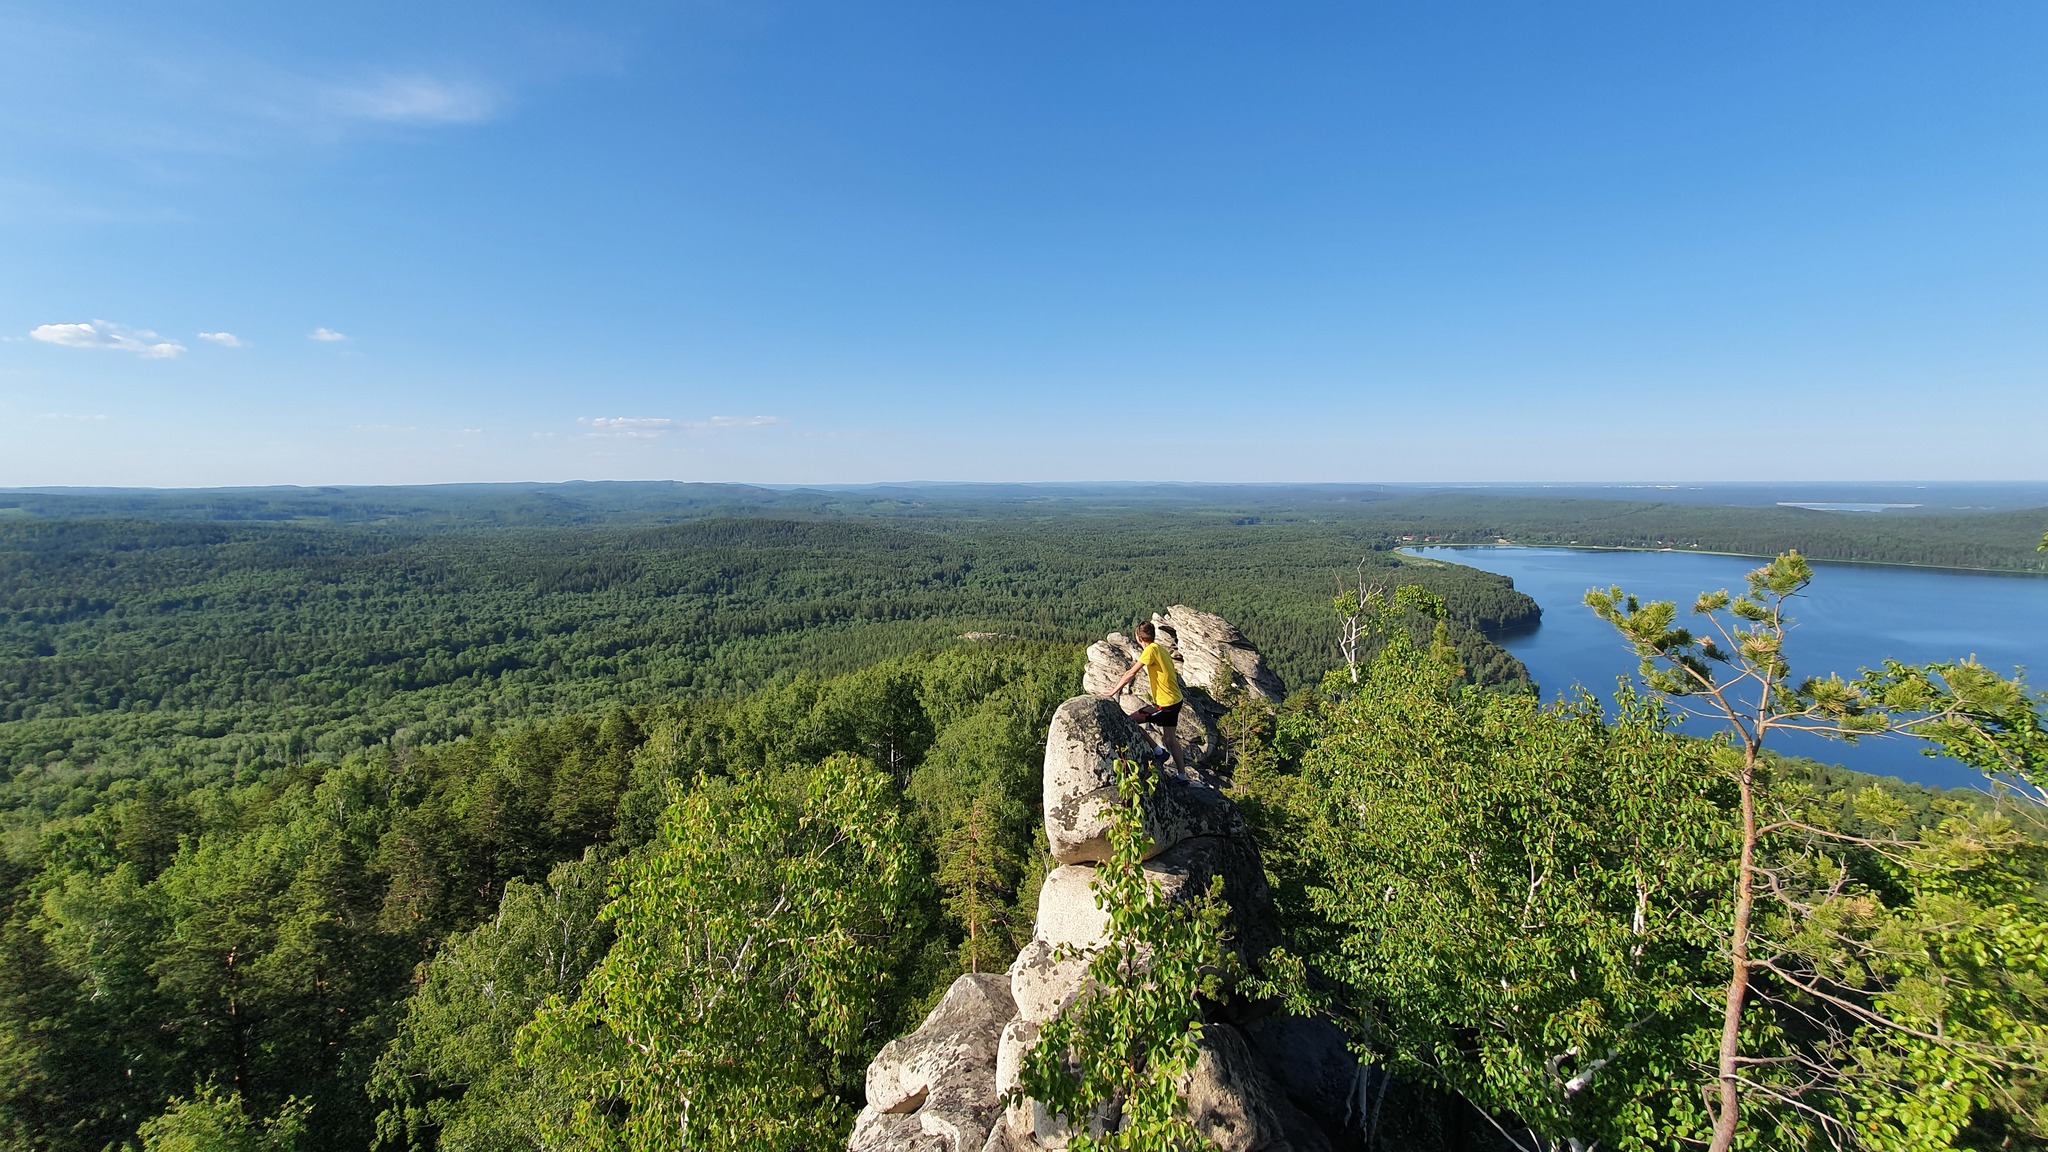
{"x":1854,"y":616}
{"x":1956,"y":568}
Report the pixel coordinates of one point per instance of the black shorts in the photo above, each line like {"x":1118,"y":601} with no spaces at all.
{"x":1165,"y":717}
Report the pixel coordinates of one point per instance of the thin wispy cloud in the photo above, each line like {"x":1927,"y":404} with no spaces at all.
{"x":717,"y":422}
{"x":107,"y":336}
{"x":164,"y":94}
{"x":627,"y":427}
{"x":326,"y":336}
{"x":224,"y":339}
{"x":415,"y":100}
{"x":655,"y":427}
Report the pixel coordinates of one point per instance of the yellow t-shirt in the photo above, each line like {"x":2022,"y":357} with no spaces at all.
{"x":1158,"y":664}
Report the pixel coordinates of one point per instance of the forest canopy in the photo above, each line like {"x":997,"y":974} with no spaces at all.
{"x":341,"y":831}
{"x":223,"y":644}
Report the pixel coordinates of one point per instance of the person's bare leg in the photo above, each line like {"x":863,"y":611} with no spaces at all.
{"x":1171,"y":739}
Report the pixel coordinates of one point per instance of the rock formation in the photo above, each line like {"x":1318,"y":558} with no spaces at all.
{"x":935,"y":1089}
{"x":1265,"y":1081}
{"x":1207,"y":645}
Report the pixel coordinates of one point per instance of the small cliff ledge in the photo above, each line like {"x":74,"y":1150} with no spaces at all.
{"x":1265,"y":1080}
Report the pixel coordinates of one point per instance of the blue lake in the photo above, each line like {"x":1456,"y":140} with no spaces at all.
{"x":1852,"y":616}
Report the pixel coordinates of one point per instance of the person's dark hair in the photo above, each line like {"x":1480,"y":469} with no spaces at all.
{"x":1144,"y":630}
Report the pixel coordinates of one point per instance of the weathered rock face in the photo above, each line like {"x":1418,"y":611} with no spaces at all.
{"x":1088,"y":734}
{"x":1184,"y":871}
{"x":1311,"y":1061}
{"x":1067,"y":911}
{"x":1264,"y":1082}
{"x":1236,"y":1105}
{"x":936,"y":1088}
{"x":1209,"y":642}
{"x":1042,"y":981}
{"x":1108,"y":659}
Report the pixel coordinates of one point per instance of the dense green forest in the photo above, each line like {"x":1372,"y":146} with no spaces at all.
{"x":374,"y":826}
{"x":177,"y":642}
{"x":264,"y":938}
{"x":1534,"y":909}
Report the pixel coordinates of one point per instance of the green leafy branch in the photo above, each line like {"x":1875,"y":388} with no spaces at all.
{"x":1827,"y":993}
{"x":1119,"y":1055}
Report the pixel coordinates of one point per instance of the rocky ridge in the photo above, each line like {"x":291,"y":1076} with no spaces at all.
{"x":1265,"y":1080}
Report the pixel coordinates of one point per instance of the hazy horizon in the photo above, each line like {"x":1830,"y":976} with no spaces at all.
{"x":1899,"y":496}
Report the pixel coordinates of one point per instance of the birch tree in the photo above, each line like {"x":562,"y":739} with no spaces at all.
{"x":755,"y":939}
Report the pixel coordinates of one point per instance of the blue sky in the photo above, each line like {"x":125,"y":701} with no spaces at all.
{"x":1010,"y":241}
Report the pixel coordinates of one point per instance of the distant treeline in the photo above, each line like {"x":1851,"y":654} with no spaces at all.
{"x":1999,"y":541}
{"x":1993,"y":541}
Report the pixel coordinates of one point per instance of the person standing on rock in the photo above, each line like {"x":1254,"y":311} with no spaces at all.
{"x":1164,"y":711}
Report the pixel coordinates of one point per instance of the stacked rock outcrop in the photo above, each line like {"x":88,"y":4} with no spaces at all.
{"x":1264,"y":1080}
{"x":1207,"y":644}
{"x":1207,"y":647}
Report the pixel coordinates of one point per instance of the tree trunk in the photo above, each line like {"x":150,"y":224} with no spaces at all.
{"x":1729,"y":1110}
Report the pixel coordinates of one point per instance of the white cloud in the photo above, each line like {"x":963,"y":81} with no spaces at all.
{"x":224,"y":339}
{"x":170,"y":97}
{"x":736,"y":422}
{"x":325,"y":336}
{"x":104,"y":334}
{"x":415,"y":100}
{"x":653,"y":427}
{"x":627,"y":427}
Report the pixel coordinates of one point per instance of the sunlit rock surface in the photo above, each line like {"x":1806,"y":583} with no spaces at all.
{"x":1265,"y":1081}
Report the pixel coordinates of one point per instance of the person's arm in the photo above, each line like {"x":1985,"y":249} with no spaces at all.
{"x":1129,"y":675}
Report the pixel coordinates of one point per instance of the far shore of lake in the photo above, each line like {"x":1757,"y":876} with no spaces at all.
{"x":1504,"y":543}
{"x":1853,"y":616}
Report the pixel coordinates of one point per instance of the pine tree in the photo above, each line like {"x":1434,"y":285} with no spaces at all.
{"x":978,"y":876}
{"x":1801,"y":951}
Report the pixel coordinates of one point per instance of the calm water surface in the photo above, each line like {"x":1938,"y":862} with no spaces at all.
{"x":1852,"y":616}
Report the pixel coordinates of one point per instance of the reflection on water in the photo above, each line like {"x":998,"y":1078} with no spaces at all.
{"x":1852,"y":616}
